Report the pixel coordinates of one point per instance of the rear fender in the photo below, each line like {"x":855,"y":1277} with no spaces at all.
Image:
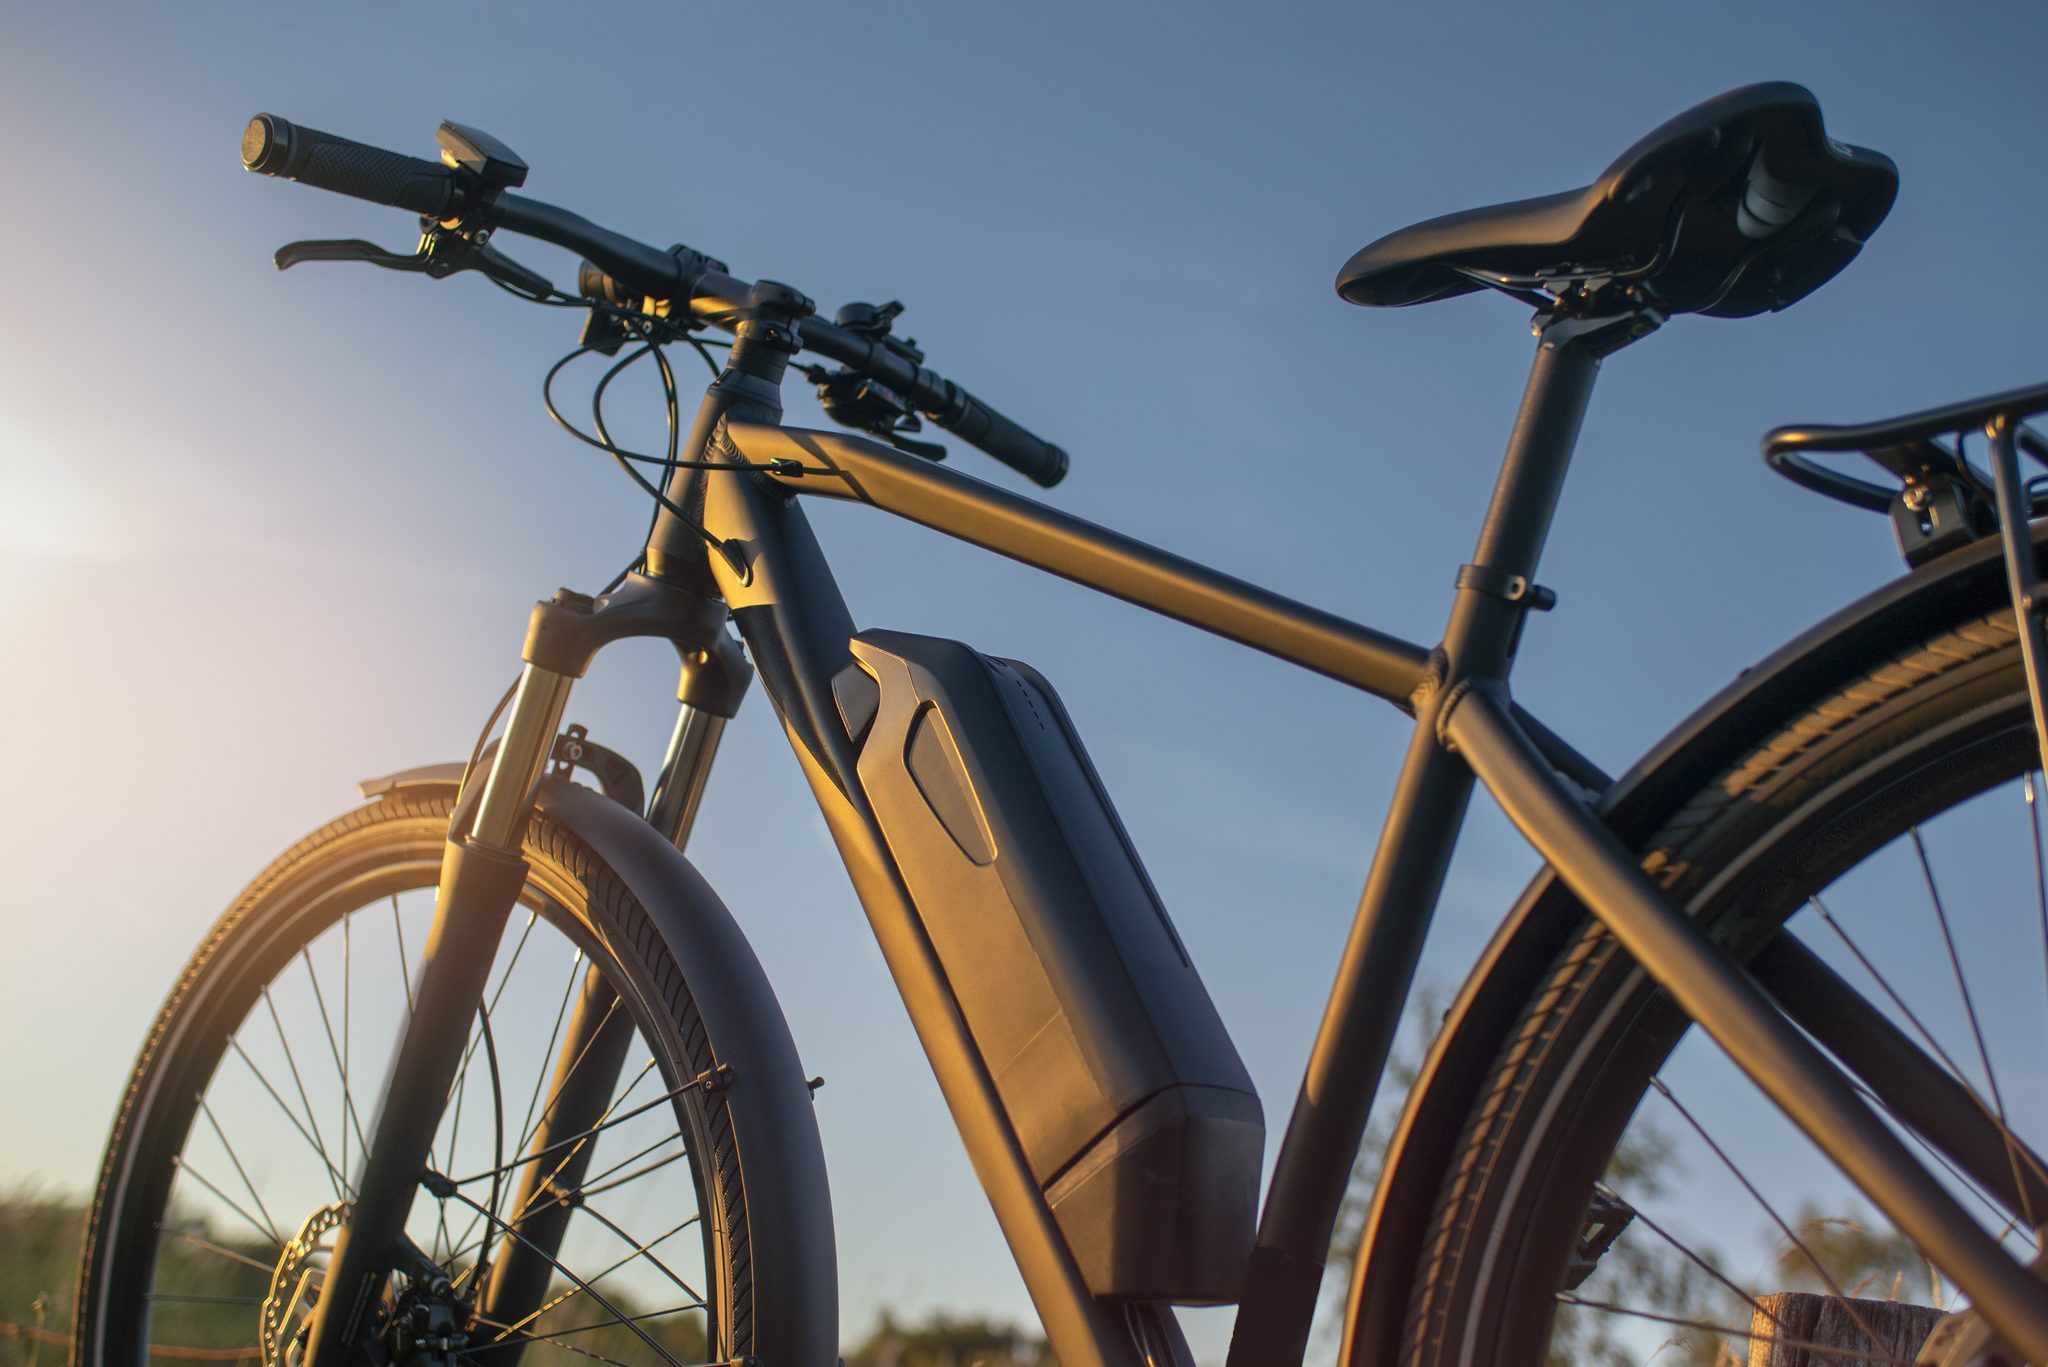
{"x":788,"y":1203}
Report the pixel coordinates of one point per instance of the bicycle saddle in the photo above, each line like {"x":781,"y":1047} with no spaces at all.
{"x":1738,"y":206}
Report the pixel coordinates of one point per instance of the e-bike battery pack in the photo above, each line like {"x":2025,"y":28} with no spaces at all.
{"x":1114,"y":1071}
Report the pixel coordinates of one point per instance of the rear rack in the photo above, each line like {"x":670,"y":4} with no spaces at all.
{"x":1944,"y":501}
{"x":1941,"y":501}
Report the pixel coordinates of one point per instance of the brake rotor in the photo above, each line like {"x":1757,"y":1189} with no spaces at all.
{"x":295,"y":1286}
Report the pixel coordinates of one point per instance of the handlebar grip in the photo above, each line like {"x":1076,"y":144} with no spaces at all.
{"x":275,"y":147}
{"x":973,"y":421}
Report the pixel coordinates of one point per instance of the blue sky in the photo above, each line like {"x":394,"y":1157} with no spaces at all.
{"x":266,"y":534}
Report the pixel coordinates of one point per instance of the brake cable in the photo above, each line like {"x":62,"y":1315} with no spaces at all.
{"x":626,"y":460}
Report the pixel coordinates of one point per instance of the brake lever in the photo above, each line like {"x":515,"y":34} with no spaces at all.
{"x":505,"y":270}
{"x":346,"y":249}
{"x":440,"y":255}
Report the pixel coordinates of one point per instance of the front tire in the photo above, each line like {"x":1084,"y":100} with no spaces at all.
{"x":242,"y":1121}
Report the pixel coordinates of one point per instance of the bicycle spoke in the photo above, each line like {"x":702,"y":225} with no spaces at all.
{"x":298,"y":1081}
{"x":1827,"y":1350}
{"x":1692,"y":1256}
{"x":179,"y":1162}
{"x":540,"y":1078}
{"x":454,"y":1135}
{"x":555,"y":1094}
{"x":634,"y":1176}
{"x":1826,"y":1277}
{"x":483,"y":1036}
{"x":1956,"y":1174}
{"x":576,"y":1143}
{"x":533,"y":1338}
{"x":347,"y":924}
{"x":211,"y":1247}
{"x":512,"y":1232}
{"x":640,"y":1249}
{"x":1955,"y":961}
{"x":504,"y":978}
{"x":2040,"y":863}
{"x":335,"y":1177}
{"x":348,"y":1102}
{"x":605,"y":1122}
{"x":570,"y":1142}
{"x":404,"y":959}
{"x":268,"y":1145}
{"x":240,"y":1171}
{"x":589,"y":1190}
{"x":1885,"y":986}
{"x":557,"y":1335}
{"x":2016,"y":1152}
{"x":572,"y":1291}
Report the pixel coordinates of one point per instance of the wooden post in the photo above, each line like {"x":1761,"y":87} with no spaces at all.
{"x":1794,"y":1328}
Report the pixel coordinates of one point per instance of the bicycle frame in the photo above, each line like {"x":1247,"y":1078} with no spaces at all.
{"x":769,"y":571}
{"x":787,"y":607}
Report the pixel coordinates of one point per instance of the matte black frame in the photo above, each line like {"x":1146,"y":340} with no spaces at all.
{"x":768,"y":568}
{"x":789,"y":609}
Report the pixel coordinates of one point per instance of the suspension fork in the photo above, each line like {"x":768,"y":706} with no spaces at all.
{"x":715,"y":676}
{"x":481,"y":876}
{"x":598,"y":1034}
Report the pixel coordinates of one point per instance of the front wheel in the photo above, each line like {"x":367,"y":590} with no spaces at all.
{"x":1894,"y":830}
{"x":232,"y":1157}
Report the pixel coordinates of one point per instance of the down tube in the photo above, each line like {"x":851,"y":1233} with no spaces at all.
{"x":797,"y":627}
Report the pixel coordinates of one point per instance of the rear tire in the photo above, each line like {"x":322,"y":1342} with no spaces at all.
{"x":242,"y":1117}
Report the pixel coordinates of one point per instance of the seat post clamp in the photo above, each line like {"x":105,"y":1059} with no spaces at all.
{"x":1509,"y":588}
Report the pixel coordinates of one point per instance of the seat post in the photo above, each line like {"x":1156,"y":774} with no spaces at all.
{"x":1498,"y":587}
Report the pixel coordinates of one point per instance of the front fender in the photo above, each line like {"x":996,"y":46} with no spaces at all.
{"x":775,"y":1130}
{"x":1846,"y":646}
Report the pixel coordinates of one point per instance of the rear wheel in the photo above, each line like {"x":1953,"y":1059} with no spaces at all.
{"x":1896,"y":831}
{"x":231,"y":1160}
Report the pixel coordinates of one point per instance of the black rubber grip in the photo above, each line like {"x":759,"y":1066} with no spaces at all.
{"x":973,"y":421}
{"x":276,"y":147}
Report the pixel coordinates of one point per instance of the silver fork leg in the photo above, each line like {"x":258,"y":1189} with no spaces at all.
{"x":684,"y":772}
{"x":481,"y":876}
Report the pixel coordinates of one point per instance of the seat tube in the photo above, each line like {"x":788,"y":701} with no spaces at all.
{"x":1373,"y":977}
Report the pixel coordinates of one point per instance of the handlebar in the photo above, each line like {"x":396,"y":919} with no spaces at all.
{"x":939,"y":399}
{"x":276,"y":147}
